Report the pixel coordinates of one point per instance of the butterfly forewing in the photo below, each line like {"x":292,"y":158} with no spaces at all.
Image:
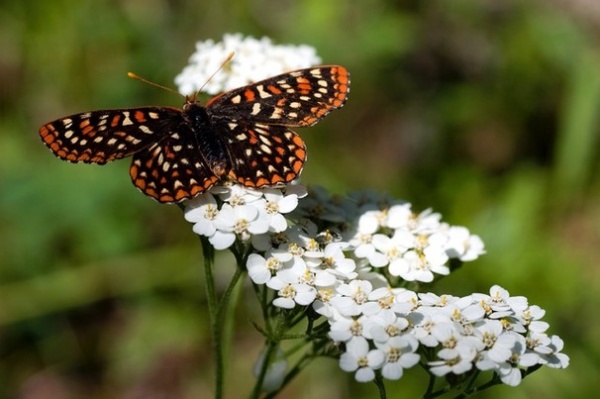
{"x":103,"y":136}
{"x":295,"y":99}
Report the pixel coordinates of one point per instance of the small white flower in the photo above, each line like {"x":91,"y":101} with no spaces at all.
{"x":399,"y":355}
{"x":425,"y":222}
{"x":499,"y":345}
{"x":322,"y":306}
{"x":462,"y":245}
{"x":457,"y":360}
{"x":530,"y":318}
{"x":202,"y":211}
{"x":399,"y":216}
{"x":344,"y":329}
{"x":389,"y":250}
{"x":254,"y":60}
{"x":291,"y":290}
{"x":353,"y":299}
{"x":555,"y":359}
{"x":428,"y":320}
{"x":275,"y":205}
{"x":261,"y":269}
{"x":243,"y":221}
{"x":330,"y":265}
{"x":359,"y":358}
{"x":384,"y":326}
{"x":509,"y":370}
{"x":236,"y":195}
{"x":420,"y":266}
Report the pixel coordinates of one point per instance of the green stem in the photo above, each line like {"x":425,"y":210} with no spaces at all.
{"x":380,"y":386}
{"x":430,"y":386}
{"x":214,"y":314}
{"x":266,"y":361}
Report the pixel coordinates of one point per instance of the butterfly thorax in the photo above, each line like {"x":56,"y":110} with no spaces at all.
{"x":210,"y":143}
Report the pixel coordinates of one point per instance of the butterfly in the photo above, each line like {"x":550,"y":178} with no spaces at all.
{"x":241,"y":135}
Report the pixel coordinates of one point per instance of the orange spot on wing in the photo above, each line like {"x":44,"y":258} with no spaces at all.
{"x":305,"y":88}
{"x":300,"y":153}
{"x":253,"y":138}
{"x":274,"y":89}
{"x":139,"y":116}
{"x":196,"y":190}
{"x":48,"y":138}
{"x":166,"y":198}
{"x":115,"y":120}
{"x":277,"y":179}
{"x":298,"y":141}
{"x":297,"y":166}
{"x":88,"y":131}
{"x":249,"y":95}
{"x":262,"y":182}
{"x":181,"y":194}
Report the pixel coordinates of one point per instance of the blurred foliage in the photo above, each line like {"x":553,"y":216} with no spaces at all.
{"x":486,"y":111}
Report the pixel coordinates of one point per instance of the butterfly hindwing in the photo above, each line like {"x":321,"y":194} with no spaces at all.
{"x":172,"y":170}
{"x":264,"y":155}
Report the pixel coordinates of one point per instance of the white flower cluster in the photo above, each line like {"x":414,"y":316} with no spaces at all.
{"x":241,"y":212}
{"x":488,"y":332}
{"x":411,"y":246}
{"x":359,"y":245}
{"x":346,"y":257}
{"x":254,"y":60}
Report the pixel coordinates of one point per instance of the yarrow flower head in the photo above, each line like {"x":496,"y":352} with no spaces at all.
{"x":342,"y":262}
{"x":347,"y":263}
{"x":254,"y":60}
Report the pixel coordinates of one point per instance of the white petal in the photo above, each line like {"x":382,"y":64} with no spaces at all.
{"x":278,"y":223}
{"x":392,"y":371}
{"x":222,"y":240}
{"x":204,"y":228}
{"x":364,"y":374}
{"x":348,"y":362}
{"x":286,"y":303}
{"x":288,"y":203}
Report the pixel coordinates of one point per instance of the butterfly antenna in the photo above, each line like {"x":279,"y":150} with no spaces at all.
{"x":229,"y":57}
{"x":137,"y":77}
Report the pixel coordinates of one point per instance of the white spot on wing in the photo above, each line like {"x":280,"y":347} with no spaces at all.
{"x":126,"y":120}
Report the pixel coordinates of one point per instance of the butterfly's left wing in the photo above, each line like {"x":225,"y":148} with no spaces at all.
{"x":103,"y":136}
{"x":295,"y":99}
{"x":263,"y":155}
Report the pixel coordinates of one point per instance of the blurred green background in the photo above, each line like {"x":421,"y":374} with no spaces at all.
{"x":486,"y":111}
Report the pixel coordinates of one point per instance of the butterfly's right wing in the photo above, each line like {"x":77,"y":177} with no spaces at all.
{"x":103,"y":136}
{"x":173,"y":169}
{"x":294,"y":99}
